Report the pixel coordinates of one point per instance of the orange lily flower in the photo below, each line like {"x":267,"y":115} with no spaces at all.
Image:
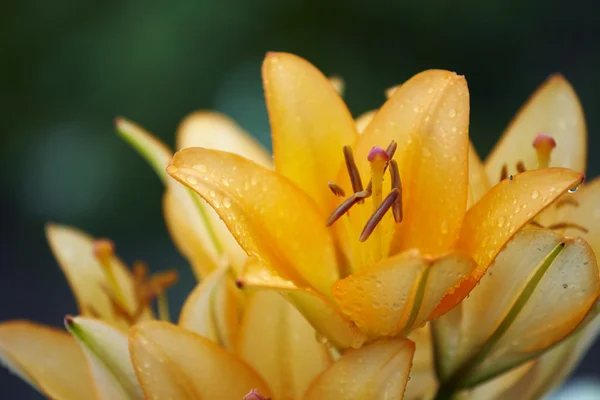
{"x":406,"y":272}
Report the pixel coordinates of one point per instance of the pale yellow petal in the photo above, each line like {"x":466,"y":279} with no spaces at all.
{"x":107,"y":354}
{"x":321,"y":312}
{"x":422,"y":383}
{"x":364,"y":120}
{"x":536,"y":292}
{"x":40,"y":355}
{"x":479,"y":183}
{"x":281,"y":345}
{"x":496,"y":389}
{"x":74,"y":251}
{"x":310,"y":124}
{"x":553,"y":109}
{"x":173,"y":363}
{"x":213,"y":130}
{"x":211,"y":310}
{"x":376,"y":371}
{"x":586,"y":214}
{"x":400,"y":292}
{"x":428,"y":117}
{"x":269,"y":216}
{"x":503,"y":210}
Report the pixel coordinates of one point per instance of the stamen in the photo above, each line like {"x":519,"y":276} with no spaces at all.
{"x":357,"y":185}
{"x":543,"y":144}
{"x":521,"y":167}
{"x":377,"y":216}
{"x":565,"y":225}
{"x":567,"y":200}
{"x":337,"y":189}
{"x":346,"y":206}
{"x":104,"y":250}
{"x":537,"y":224}
{"x":504,"y":173}
{"x":396,"y":184}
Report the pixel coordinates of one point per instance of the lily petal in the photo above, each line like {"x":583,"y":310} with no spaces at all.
{"x":322,"y":314}
{"x":508,"y":206}
{"x":269,"y":216}
{"x":74,"y":251}
{"x":171,"y":362}
{"x":40,"y":355}
{"x":523,"y":321}
{"x":585,"y":214}
{"x":376,"y":371}
{"x":211,"y":310}
{"x":364,"y":120}
{"x":479,"y":183}
{"x":553,"y":109}
{"x":422,"y":382}
{"x":310,"y":124}
{"x":280,"y":344}
{"x":428,"y":117}
{"x":108,"y":357}
{"x":400,"y":292}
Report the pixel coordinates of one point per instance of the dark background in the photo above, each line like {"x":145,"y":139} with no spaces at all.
{"x":68,"y":67}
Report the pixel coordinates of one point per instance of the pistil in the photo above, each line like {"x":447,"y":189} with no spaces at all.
{"x":543,"y":144}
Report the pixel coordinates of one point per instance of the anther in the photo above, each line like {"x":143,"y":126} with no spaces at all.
{"x":346,"y":206}
{"x":377,"y":216}
{"x":567,"y":200}
{"x":336,"y":189}
{"x":504,"y":173}
{"x":352,"y":170}
{"x":565,"y":225}
{"x":104,"y":249}
{"x":543,"y":144}
{"x":396,"y":184}
{"x":521,"y":167}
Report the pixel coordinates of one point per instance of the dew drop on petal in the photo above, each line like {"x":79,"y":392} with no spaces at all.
{"x":226,"y":202}
{"x":535,"y":194}
{"x":501,"y":222}
{"x":452,"y":113}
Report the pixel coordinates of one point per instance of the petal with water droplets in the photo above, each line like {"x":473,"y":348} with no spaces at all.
{"x":310,"y":124}
{"x":377,"y":371}
{"x":211,"y":310}
{"x":74,"y":251}
{"x":281,"y":345}
{"x":40,"y":356}
{"x":553,"y":109}
{"x":269,"y":216}
{"x":171,"y":362}
{"x":108,"y":358}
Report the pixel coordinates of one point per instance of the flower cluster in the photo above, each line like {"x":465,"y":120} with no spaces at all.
{"x":376,"y":258}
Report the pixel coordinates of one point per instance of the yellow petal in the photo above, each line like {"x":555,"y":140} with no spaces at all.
{"x":553,"y":109}
{"x":478,"y":180}
{"x":107,"y":354}
{"x":269,"y":216}
{"x":322,"y":314}
{"x":377,"y":371}
{"x":537,"y":291}
{"x":74,"y":251}
{"x":280,"y":344}
{"x":212,"y":130}
{"x":364,"y":120}
{"x":496,"y":389}
{"x":310,"y":124}
{"x":173,"y":363}
{"x":153,"y":150}
{"x":422,"y":383}
{"x":585,"y":214}
{"x":508,"y":206}
{"x":338,"y":84}
{"x":400,"y":292}
{"x":428,"y":116}
{"x":211,"y":309}
{"x":40,"y":356}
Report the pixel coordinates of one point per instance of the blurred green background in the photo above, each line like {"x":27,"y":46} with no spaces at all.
{"x":69,"y":67}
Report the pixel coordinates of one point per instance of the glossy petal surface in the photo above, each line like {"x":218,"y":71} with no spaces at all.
{"x":310,"y":124}
{"x":536,"y":292}
{"x":278,"y":342}
{"x":553,"y":109}
{"x":428,"y":116}
{"x":269,"y":216}
{"x":171,"y":362}
{"x":321,"y":312}
{"x":508,"y":206}
{"x":74,"y":251}
{"x":108,"y":358}
{"x":40,"y":355}
{"x":400,"y":292}
{"x":376,"y":371}
{"x":211,"y":310}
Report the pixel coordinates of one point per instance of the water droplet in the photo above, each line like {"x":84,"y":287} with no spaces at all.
{"x":225,"y":181}
{"x":200,"y":167}
{"x":501,"y":222}
{"x":191,"y":180}
{"x":171,"y":169}
{"x":212,"y":194}
{"x":430,"y":90}
{"x":535,"y":194}
{"x":416,"y":109}
{"x":452,"y":113}
{"x":226,"y":202}
{"x":320,"y":338}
